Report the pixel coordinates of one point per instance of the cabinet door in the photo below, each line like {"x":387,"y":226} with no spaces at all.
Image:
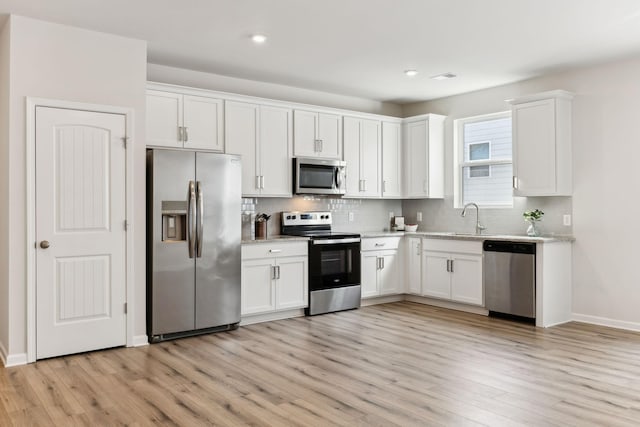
{"x":369,"y":274}
{"x":292,"y":283}
{"x":330,"y":135}
{"x":352,"y":156}
{"x":417,"y":162}
{"x":466,"y":279}
{"x":164,"y":116}
{"x":241,"y":127}
{"x":258,"y":293}
{"x":275,"y":151}
{"x":391,"y":160}
{"x":370,"y":153}
{"x":203,"y":123}
{"x":305,"y":133}
{"x":436,"y":280}
{"x":534,"y":148}
{"x":414,"y":273}
{"x":389,"y":276}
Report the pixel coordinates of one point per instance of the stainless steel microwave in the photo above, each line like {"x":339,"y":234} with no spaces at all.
{"x":318,"y":176}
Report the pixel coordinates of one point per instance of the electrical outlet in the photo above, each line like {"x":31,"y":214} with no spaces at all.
{"x":391,"y":215}
{"x":419,"y":216}
{"x":350,"y":216}
{"x":566,"y":220}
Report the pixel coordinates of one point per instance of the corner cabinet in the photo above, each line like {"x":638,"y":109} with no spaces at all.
{"x":424,"y":156}
{"x":413,"y":253}
{"x":261,"y":134}
{"x":542,"y":144}
{"x":274,"y":277}
{"x":452,"y":270}
{"x":178,"y":120}
{"x":362,"y":152}
{"x":317,"y":134}
{"x":381,"y":269}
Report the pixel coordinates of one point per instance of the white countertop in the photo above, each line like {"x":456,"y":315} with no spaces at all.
{"x":469,"y":236}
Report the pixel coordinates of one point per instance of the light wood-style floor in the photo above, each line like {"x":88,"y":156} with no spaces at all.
{"x":395,"y":364}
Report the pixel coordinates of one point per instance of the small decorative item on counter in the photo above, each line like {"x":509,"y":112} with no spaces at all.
{"x":410,"y":227}
{"x":261,"y":226}
{"x":532,"y":217}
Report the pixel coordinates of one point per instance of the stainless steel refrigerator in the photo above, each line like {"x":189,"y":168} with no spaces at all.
{"x":193,"y":243}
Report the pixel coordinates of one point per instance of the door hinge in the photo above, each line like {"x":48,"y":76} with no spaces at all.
{"x":125,"y":141}
{"x":125,"y":308}
{"x":126,"y":225}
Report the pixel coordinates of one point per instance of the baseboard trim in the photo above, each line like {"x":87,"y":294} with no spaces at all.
{"x":268,"y":317}
{"x":140,"y":341}
{"x":9,"y":360}
{"x":605,"y":321}
{"x":381,"y":300}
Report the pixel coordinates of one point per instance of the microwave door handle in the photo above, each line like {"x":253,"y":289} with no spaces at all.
{"x":338,"y":178}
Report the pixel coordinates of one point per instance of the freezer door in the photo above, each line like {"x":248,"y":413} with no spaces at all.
{"x":218,"y":259}
{"x":171,"y":290}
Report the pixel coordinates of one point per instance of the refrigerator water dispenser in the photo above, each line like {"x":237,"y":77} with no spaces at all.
{"x":174,"y":221}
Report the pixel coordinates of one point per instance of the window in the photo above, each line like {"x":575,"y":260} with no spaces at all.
{"x":483,"y":157}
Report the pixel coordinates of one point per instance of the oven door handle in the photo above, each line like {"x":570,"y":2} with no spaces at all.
{"x":335,"y":241}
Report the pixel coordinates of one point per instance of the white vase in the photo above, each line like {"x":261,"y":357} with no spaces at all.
{"x":533,"y":229}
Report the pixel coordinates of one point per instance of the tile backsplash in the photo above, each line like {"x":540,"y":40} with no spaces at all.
{"x":368,"y":215}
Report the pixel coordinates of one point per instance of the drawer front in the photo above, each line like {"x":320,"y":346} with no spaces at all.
{"x":453,"y":245}
{"x":277,"y":249}
{"x":380,"y":243}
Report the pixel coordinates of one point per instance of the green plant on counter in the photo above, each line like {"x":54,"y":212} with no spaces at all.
{"x":534,"y":215}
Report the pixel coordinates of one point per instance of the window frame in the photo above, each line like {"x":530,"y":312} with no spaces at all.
{"x":460,"y":163}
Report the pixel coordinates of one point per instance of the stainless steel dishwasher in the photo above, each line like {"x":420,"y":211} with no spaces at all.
{"x":510,"y":278}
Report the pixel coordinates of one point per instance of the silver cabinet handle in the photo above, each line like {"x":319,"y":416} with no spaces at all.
{"x":515,"y":182}
{"x":191,"y":219}
{"x":262,"y":182}
{"x":273,"y":272}
{"x":186,"y":134}
{"x":316,"y":146}
{"x":275,"y":251}
{"x":382,"y":263}
{"x":180,"y":133}
{"x":44,"y":244}
{"x":199,"y":219}
{"x":278,"y":276}
{"x":380,"y":244}
{"x":452,"y":266}
{"x":377,"y":263}
{"x":448,"y":265}
{"x":384,"y":186}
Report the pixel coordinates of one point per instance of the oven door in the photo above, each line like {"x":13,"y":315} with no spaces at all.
{"x":334,"y":263}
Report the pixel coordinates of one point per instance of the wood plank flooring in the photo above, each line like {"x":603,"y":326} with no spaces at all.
{"x":399,"y":364}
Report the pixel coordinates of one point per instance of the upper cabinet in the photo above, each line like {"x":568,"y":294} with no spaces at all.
{"x":184,"y":121}
{"x":261,"y":134}
{"x":391,"y":160}
{"x":542,"y":144}
{"x":424,"y":156}
{"x":317,"y":134}
{"x":362,"y":152}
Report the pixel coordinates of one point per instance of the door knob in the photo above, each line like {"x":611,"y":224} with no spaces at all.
{"x":44,"y":244}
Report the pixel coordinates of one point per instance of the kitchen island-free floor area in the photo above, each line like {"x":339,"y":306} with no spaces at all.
{"x":393,"y":364}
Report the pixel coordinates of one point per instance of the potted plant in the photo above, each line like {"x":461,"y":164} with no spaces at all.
{"x":532,"y":217}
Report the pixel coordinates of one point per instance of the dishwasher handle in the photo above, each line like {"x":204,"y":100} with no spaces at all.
{"x":509,"y":247}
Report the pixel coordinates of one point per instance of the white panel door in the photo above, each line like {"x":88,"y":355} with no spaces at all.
{"x":241,"y":134}
{"x":369,"y":274}
{"x":436,"y":279}
{"x":275,"y":151}
{"x":466,"y":280}
{"x":203,"y":123}
{"x":391,"y":160}
{"x":258,"y":293}
{"x":305,"y":133}
{"x":351,"y":131}
{"x":80,"y":214}
{"x":414,"y":255}
{"x":370,"y":164}
{"x":291,"y":284}
{"x":330,"y":135}
{"x":416,"y":177}
{"x":164,"y":116}
{"x":389,"y":276}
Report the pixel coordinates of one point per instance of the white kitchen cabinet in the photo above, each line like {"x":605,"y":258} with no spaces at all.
{"x":452,"y":270}
{"x":274,"y":277}
{"x":261,"y":135}
{"x":317,"y":134}
{"x":381,"y":272}
{"x":424,"y":156}
{"x":184,"y":121}
{"x":362,"y":152}
{"x":391,"y":160}
{"x":542,"y":144}
{"x":413,"y":256}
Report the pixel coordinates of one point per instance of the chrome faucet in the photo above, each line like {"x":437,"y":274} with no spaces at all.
{"x":479,"y":227}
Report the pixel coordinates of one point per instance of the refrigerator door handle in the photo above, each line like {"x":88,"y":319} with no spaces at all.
{"x":191,"y":219}
{"x":199,"y":219}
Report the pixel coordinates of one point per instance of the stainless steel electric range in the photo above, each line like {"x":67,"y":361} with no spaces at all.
{"x":334,"y":261}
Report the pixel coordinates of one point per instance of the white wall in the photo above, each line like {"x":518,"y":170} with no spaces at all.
{"x":606,"y":149}
{"x":4,"y":187}
{"x":60,"y":62}
{"x":179,"y":76}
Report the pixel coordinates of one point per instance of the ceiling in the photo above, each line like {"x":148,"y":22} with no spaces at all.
{"x":362,"y":47}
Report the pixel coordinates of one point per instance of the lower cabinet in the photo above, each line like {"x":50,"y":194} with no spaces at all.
{"x":274,"y":277}
{"x":413,"y":251}
{"x":381,"y":269}
{"x":452,"y":270}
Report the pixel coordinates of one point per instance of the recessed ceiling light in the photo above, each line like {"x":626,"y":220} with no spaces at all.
{"x":259,"y":38}
{"x":411,"y":73}
{"x":444,"y":76}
